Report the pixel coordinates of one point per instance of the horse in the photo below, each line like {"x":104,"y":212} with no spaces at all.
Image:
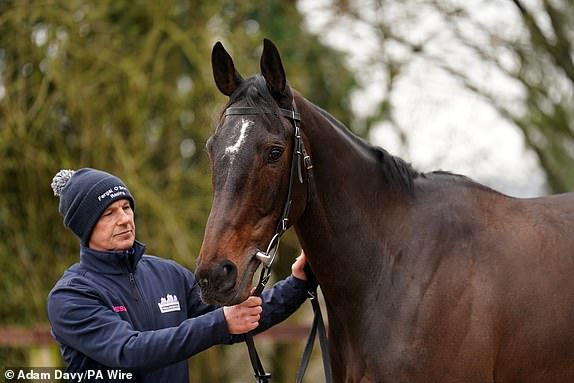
{"x":426,"y":276}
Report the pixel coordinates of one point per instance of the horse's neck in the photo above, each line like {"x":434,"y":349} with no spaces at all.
{"x":342,"y":225}
{"x":345,"y":171}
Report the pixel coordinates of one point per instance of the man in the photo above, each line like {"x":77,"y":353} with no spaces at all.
{"x":126,"y":316}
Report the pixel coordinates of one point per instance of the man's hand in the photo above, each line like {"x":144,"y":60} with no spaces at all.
{"x":243,"y":317}
{"x":298,"y":267}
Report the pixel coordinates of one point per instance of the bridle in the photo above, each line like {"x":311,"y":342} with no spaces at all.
{"x":299,"y":158}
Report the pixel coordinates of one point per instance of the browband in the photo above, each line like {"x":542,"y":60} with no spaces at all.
{"x":243,"y":110}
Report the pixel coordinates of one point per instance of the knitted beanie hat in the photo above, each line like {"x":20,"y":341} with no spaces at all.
{"x":84,"y":195}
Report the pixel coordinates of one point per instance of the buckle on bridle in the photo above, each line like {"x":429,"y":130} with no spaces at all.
{"x":266,"y":258}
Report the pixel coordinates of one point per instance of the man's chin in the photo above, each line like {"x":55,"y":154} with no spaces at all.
{"x":124,"y":243}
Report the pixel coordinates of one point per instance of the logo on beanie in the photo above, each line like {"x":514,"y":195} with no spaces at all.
{"x":113,"y":192}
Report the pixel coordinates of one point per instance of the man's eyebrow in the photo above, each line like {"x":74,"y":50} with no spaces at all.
{"x":110,"y":208}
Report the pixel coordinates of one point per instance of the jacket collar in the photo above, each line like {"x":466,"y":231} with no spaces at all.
{"x":112,"y":262}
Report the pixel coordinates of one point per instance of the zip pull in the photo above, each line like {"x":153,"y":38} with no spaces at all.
{"x":133,"y":286}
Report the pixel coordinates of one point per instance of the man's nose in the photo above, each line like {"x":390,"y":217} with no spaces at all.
{"x":124,"y":216}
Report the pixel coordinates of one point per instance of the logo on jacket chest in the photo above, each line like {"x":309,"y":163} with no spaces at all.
{"x":168,"y":304}
{"x":120,"y":309}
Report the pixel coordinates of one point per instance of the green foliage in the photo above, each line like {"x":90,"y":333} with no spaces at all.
{"x":546,"y":70}
{"x":126,"y":87}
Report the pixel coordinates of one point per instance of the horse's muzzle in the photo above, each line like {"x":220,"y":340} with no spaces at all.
{"x":218,"y":280}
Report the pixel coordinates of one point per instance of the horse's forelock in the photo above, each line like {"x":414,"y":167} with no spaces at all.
{"x":253,"y":92}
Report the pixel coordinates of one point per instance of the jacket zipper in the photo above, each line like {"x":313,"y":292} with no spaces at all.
{"x":133,"y":287}
{"x":136,"y":293}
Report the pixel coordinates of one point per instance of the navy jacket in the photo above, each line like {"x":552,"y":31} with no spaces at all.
{"x":143,"y":315}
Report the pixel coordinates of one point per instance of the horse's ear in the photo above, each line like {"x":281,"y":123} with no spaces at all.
{"x":225,"y":75}
{"x":272,"y":69}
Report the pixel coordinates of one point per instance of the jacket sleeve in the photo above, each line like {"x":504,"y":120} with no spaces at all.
{"x":81,"y":320}
{"x":280,"y":301}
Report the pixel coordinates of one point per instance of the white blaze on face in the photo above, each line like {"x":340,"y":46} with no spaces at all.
{"x":232,"y":150}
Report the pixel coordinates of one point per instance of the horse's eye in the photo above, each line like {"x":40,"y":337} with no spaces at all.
{"x":274,"y":154}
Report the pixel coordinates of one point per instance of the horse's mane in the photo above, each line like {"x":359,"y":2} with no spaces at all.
{"x":398,"y":173}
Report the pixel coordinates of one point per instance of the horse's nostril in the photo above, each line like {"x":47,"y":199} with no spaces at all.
{"x":218,"y":278}
{"x":224,"y":277}
{"x":228,"y":269}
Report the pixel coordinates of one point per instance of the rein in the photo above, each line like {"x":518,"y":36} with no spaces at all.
{"x":298,"y":158}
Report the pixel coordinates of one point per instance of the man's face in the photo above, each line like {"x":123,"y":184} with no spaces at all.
{"x":116,"y":229}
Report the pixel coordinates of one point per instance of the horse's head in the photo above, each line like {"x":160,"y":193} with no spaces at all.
{"x":251,"y":161}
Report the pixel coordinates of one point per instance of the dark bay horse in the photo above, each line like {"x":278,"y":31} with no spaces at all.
{"x":427,"y":277}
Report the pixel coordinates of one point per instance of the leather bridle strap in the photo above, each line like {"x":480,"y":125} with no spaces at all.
{"x":258,"y":370}
{"x":245,"y":110}
{"x":318,"y":327}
